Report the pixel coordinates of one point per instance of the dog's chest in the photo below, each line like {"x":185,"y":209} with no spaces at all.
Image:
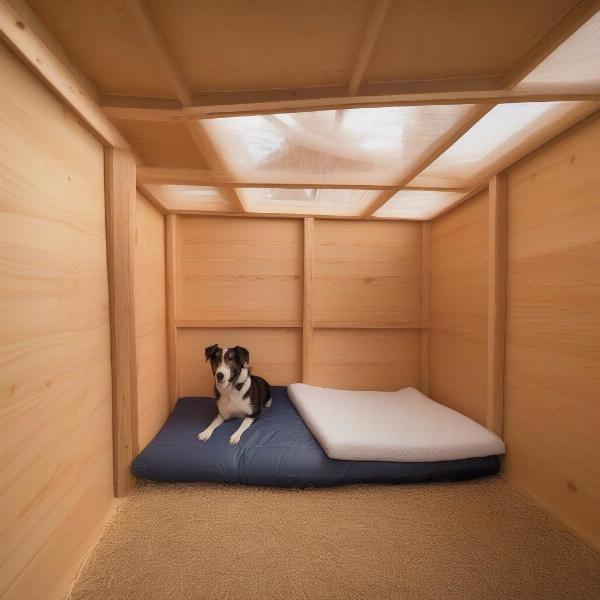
{"x":233,"y":405}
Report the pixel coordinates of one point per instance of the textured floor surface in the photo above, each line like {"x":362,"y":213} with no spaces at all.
{"x":472,"y":540}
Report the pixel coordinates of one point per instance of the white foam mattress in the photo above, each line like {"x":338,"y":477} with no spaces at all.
{"x":403,"y":426}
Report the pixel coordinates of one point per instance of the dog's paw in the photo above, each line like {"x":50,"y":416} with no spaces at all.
{"x":204,"y":435}
{"x":234,"y":439}
{"x":268,"y":402}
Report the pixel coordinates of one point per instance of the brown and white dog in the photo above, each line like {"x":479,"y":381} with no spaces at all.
{"x":239,"y":394}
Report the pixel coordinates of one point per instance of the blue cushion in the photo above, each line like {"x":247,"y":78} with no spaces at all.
{"x":277,"y":450}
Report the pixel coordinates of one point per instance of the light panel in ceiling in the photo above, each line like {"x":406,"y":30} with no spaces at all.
{"x":322,"y":202}
{"x":417,"y":204}
{"x":508,"y":130}
{"x":372,"y":146}
{"x":189,"y":197}
{"x":575,"y":62}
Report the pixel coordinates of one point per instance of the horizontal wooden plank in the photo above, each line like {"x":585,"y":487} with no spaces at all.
{"x":222,"y":104}
{"x":205,"y":177}
{"x":231,"y":324}
{"x":363,"y":325}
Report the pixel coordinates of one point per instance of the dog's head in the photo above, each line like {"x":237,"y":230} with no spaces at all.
{"x":226,"y":363}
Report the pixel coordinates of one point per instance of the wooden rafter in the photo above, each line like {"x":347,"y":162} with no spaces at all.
{"x":142,"y":15}
{"x":203,"y":177}
{"x":442,"y":144}
{"x":21,"y":29}
{"x":573,"y":20}
{"x":370,"y":38}
{"x":262,"y":103}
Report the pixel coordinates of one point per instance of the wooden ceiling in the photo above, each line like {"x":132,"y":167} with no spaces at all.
{"x":158,"y":68}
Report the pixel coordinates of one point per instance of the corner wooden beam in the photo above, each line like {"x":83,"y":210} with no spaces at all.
{"x":142,"y":15}
{"x":425,"y":302}
{"x":573,"y":20}
{"x":496,"y":302}
{"x":441,"y":145}
{"x":370,"y":38}
{"x":224,"y":104}
{"x":171,"y":270}
{"x":120,"y":233}
{"x":21,"y":29}
{"x":307,"y":308}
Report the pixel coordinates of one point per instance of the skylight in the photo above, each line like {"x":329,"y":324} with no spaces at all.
{"x":371,"y":146}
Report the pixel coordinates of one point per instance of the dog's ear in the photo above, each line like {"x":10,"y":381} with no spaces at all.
{"x":210,"y":350}
{"x":243,"y":354}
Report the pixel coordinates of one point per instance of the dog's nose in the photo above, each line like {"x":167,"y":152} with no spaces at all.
{"x":220,"y":376}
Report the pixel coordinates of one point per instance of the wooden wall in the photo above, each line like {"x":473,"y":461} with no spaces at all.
{"x":56,"y":480}
{"x":552,"y":397}
{"x":458,"y":308}
{"x":240,"y":281}
{"x":150,"y":320}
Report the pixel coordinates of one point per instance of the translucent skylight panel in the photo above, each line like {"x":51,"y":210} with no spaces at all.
{"x":352,"y":146}
{"x":504,"y":130}
{"x":418,"y":204}
{"x":575,"y":62}
{"x":335,"y":202}
{"x":189,"y":197}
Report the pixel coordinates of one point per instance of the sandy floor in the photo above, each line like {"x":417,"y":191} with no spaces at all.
{"x":480,"y":539}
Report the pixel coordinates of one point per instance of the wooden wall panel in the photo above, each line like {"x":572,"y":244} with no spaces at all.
{"x":366,"y":359}
{"x":366,"y":273}
{"x":552,"y":395}
{"x":458,"y":310}
{"x":275,"y":354}
{"x":238,"y":270}
{"x":150,"y":321}
{"x":56,"y":485}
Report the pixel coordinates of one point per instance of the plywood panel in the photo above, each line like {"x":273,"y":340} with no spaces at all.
{"x":366,"y":359}
{"x":239,"y":270}
{"x":150,"y":321}
{"x":434,"y":39}
{"x":275,"y":354}
{"x":263,"y":44}
{"x":367,"y":273}
{"x":457,"y":373}
{"x":159,"y":144}
{"x":458,"y":310}
{"x":55,"y":414}
{"x":552,"y":396}
{"x":101,"y":37}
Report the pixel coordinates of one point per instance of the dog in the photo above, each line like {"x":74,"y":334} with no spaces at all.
{"x":239,"y":394}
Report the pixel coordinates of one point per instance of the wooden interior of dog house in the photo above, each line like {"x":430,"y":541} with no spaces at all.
{"x":114,"y":120}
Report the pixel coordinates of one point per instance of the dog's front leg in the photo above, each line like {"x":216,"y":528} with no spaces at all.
{"x":205,"y":435}
{"x":235,"y":438}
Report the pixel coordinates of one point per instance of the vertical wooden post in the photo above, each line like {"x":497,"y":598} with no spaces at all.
{"x":425,"y":303}
{"x":496,"y":302}
{"x":307,"y":318}
{"x":171,"y":268}
{"x":120,"y":193}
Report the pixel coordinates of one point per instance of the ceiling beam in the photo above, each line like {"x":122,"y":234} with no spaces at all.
{"x":202,"y":177}
{"x":370,"y":38}
{"x":151,"y":109}
{"x":569,"y":24}
{"x":472,"y":116}
{"x":142,"y":16}
{"x":23,"y":32}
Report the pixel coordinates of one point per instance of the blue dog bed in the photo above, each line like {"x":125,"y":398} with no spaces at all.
{"x":277,"y":450}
